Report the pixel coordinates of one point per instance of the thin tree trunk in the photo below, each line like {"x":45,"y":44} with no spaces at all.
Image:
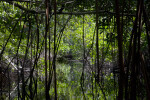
{"x":18,"y":75}
{"x":23,"y":66}
{"x":135,"y":55}
{"x":82,"y":75}
{"x":46,"y":32}
{"x":37,"y":49}
{"x":54,"y":66}
{"x":120,"y":60}
{"x":97,"y":43}
{"x":50,"y":68}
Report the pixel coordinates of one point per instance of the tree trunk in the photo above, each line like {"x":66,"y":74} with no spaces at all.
{"x":120,"y":60}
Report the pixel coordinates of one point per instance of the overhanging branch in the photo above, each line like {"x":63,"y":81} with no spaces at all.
{"x":93,"y":12}
{"x":25,"y":9}
{"x":22,"y":1}
{"x":63,"y":13}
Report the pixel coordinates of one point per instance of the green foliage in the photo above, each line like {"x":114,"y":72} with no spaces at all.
{"x":71,"y":43}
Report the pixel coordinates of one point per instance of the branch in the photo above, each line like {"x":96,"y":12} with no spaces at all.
{"x":22,"y":1}
{"x":25,"y":9}
{"x":93,"y":12}
{"x":63,"y":13}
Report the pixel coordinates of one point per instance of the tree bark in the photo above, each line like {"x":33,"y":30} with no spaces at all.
{"x":54,"y":66}
{"x":46,"y":32}
{"x":120,"y":60}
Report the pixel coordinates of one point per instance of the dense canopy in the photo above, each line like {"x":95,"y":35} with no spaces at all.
{"x":75,"y":49}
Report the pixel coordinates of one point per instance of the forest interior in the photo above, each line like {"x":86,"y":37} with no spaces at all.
{"x":74,"y":50}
